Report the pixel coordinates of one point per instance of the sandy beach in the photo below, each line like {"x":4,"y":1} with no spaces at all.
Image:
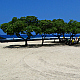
{"x":48,"y":62}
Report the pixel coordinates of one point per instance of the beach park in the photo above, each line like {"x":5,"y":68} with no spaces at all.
{"x":53,"y":61}
{"x":44,"y":58}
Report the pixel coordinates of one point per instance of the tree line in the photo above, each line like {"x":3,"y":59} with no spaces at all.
{"x":28,"y":24}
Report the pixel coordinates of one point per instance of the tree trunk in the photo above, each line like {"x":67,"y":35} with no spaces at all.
{"x":26,"y":42}
{"x":63,"y":35}
{"x":44,"y":35}
{"x":70,"y":36}
{"x":59,"y":38}
{"x":42,"y":40}
{"x":78,"y":40}
{"x":54,"y":40}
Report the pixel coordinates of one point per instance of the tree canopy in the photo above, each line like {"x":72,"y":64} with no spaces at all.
{"x":28,"y":24}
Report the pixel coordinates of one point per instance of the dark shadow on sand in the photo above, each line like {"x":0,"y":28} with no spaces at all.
{"x":57,"y":43}
{"x":34,"y":45}
{"x":23,"y":46}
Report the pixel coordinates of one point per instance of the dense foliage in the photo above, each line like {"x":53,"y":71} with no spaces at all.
{"x":26,"y":25}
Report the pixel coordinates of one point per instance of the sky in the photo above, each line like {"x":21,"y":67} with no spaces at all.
{"x":43,"y":9}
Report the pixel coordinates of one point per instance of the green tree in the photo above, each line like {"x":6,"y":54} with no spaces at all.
{"x":24,"y":25}
{"x":73,"y":28}
{"x":4,"y":27}
{"x":60,"y":27}
{"x":78,"y":27}
{"x":43,"y":28}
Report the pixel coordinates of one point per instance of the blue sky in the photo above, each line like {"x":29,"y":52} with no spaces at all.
{"x":43,"y":9}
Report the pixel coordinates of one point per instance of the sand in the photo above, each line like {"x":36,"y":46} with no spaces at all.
{"x":48,"y":62}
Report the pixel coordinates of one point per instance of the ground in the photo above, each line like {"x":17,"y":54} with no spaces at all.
{"x":48,"y":62}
